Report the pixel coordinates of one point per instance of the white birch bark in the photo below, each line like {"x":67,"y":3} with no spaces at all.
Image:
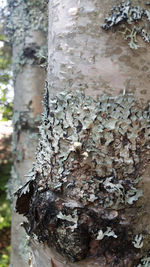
{"x":27,"y":28}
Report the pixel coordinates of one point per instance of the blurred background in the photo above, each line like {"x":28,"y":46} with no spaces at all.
{"x":6,"y":106}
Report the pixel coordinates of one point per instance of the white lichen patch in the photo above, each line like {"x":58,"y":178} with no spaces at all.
{"x":73,"y":219}
{"x":73,"y":11}
{"x":138,"y":241}
{"x":133,"y":21}
{"x":76,"y":146}
{"x":145,"y":262}
{"x":109,"y":232}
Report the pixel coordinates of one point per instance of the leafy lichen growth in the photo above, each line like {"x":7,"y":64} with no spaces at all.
{"x":126,"y":14}
{"x":108,"y":232}
{"x":90,"y":159}
{"x":138,"y":241}
{"x":145,"y":262}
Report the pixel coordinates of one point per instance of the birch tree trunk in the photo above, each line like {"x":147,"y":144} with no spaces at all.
{"x":27,"y":28}
{"x":85,"y":222}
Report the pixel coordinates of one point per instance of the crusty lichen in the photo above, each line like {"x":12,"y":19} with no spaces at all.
{"x":89,"y":162}
{"x":25,"y":19}
{"x":126,"y":14}
{"x":25,"y":16}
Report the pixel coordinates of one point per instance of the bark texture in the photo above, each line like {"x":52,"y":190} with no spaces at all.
{"x":88,"y":197}
{"x":84,"y":56}
{"x":27,"y":28}
{"x":85,"y":195}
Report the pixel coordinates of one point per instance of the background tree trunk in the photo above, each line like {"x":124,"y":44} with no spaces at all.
{"x":82,"y":56}
{"x":27,"y":27}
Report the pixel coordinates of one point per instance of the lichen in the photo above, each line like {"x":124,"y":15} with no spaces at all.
{"x":24,"y":19}
{"x":13,"y":185}
{"x":125,"y":15}
{"x":138,"y":241}
{"x":89,"y":162}
{"x":145,"y":262}
{"x":109,"y":232}
{"x":24,"y":16}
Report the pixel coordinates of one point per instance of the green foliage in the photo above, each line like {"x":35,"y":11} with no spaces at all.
{"x":4,"y":203}
{"x":5,"y":174}
{"x":5,"y":216}
{"x":6,"y":111}
{"x":5,"y":71}
{"x":4,"y":257}
{"x":5,"y":219}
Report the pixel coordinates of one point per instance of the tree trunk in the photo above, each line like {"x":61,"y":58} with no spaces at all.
{"x":85,"y":197}
{"x":27,"y":27}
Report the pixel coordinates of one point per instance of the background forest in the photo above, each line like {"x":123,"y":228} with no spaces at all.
{"x":6,"y":94}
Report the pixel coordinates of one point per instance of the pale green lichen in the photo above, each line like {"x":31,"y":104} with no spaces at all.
{"x":127,"y":13}
{"x":24,"y":19}
{"x":107,"y":132}
{"x":24,"y":249}
{"x":86,"y":180}
{"x":13,"y":184}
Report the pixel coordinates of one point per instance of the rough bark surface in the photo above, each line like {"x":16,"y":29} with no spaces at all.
{"x":85,"y":195}
{"x":84,"y":56}
{"x":27,"y":28}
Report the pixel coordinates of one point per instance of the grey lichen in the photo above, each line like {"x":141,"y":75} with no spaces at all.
{"x":25,"y":16}
{"x":145,"y":262}
{"x":27,"y":19}
{"x":90,"y":159}
{"x":13,"y":185}
{"x":109,"y":132}
{"x":125,"y":15}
